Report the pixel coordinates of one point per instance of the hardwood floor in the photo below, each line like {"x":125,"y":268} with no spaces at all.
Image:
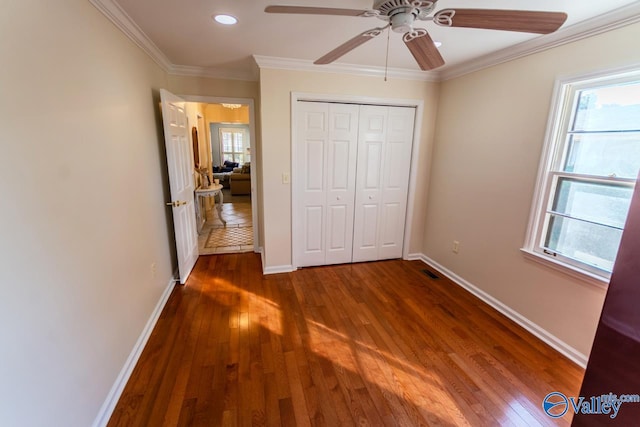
{"x":362,"y":344}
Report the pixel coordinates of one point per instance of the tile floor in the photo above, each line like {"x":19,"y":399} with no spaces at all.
{"x":236,"y":237}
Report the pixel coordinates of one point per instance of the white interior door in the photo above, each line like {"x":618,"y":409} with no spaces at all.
{"x":180,"y":165}
{"x":325,"y":186}
{"x":384,"y":159}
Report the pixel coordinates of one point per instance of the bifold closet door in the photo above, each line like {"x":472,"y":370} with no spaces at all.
{"x":326,"y":147}
{"x":384,"y":159}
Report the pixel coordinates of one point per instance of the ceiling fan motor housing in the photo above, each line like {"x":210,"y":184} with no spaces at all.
{"x":402,"y":22}
{"x":384,"y":6}
{"x":401,"y":14}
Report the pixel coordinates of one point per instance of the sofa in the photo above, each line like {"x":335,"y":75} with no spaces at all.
{"x":223,"y":172}
{"x":227,"y":166}
{"x":240,"y":180}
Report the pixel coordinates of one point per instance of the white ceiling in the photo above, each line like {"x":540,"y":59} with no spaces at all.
{"x":185,"y":33}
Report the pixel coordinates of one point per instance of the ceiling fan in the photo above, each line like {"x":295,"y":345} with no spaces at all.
{"x":401,"y":16}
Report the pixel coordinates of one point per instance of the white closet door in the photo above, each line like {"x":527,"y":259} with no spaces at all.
{"x":326,"y":155}
{"x":384,"y":159}
{"x":395,"y":182}
{"x":341,"y":181}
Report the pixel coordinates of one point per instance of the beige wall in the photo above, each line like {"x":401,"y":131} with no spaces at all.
{"x":490,"y":131}
{"x":83,"y":182}
{"x":276,"y":87}
{"x":204,"y":86}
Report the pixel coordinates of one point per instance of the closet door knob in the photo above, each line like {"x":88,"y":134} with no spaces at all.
{"x":338,"y":198}
{"x":370,"y":197}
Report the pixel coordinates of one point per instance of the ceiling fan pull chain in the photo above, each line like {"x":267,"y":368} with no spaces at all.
{"x":386,"y":62}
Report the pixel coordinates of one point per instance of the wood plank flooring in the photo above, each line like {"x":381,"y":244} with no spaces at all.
{"x":362,"y":344}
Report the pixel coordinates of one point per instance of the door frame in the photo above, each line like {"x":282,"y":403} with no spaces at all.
{"x":254,"y":152}
{"x":418,"y":104}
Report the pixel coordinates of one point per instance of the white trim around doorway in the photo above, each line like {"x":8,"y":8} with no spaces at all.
{"x":252,"y":144}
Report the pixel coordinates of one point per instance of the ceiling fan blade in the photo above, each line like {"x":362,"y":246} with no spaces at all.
{"x":507,"y":20}
{"x":423,"y":49}
{"x":349,"y":46}
{"x":304,"y":10}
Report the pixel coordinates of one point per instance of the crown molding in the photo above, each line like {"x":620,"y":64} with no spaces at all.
{"x":358,"y":70}
{"x":617,"y":18}
{"x":124,"y":23}
{"x":112,"y":10}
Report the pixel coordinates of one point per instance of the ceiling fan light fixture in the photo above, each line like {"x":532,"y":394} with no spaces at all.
{"x":225,"y":19}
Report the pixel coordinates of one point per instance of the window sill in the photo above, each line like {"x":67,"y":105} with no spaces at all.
{"x":574,"y":272}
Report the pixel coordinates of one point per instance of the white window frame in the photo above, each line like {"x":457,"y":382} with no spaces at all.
{"x":245,"y":143}
{"x":563,"y":107}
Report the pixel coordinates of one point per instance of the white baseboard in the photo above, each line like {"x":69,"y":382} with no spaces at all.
{"x":277,"y":269}
{"x":541,"y":333}
{"x":118,"y":387}
{"x":414,"y":257}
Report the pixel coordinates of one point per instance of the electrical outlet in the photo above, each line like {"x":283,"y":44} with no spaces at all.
{"x":456,"y":247}
{"x":285,"y":178}
{"x":154,"y":270}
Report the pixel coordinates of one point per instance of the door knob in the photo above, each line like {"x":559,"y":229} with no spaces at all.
{"x":370,"y":197}
{"x":338,"y":198}
{"x":176,"y":204}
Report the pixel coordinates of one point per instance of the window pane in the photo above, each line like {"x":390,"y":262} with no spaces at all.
{"x":606,"y":204}
{"x":608,"y":108}
{"x":226,"y":142}
{"x":604,"y":154}
{"x":237,"y":142}
{"x":586,"y":242}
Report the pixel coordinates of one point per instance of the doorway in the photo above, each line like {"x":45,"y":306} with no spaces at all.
{"x":226,"y":142}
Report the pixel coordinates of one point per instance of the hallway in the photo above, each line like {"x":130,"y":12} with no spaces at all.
{"x":236,"y":237}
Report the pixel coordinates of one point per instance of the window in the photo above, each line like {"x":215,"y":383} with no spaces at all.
{"x":233,"y":142}
{"x":588,"y":171}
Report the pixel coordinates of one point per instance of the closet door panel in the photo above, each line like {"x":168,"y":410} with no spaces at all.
{"x":337,"y":221}
{"x":339,"y":204}
{"x":340,"y":200}
{"x":310,"y":220}
{"x":314,"y":225}
{"x":391,"y":216}
{"x":371,"y":141}
{"x":395,"y":182}
{"x":326,"y":147}
{"x":314,"y":165}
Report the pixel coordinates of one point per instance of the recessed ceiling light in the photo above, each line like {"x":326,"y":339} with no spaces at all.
{"x":438,"y":44}
{"x":226,"y":19}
